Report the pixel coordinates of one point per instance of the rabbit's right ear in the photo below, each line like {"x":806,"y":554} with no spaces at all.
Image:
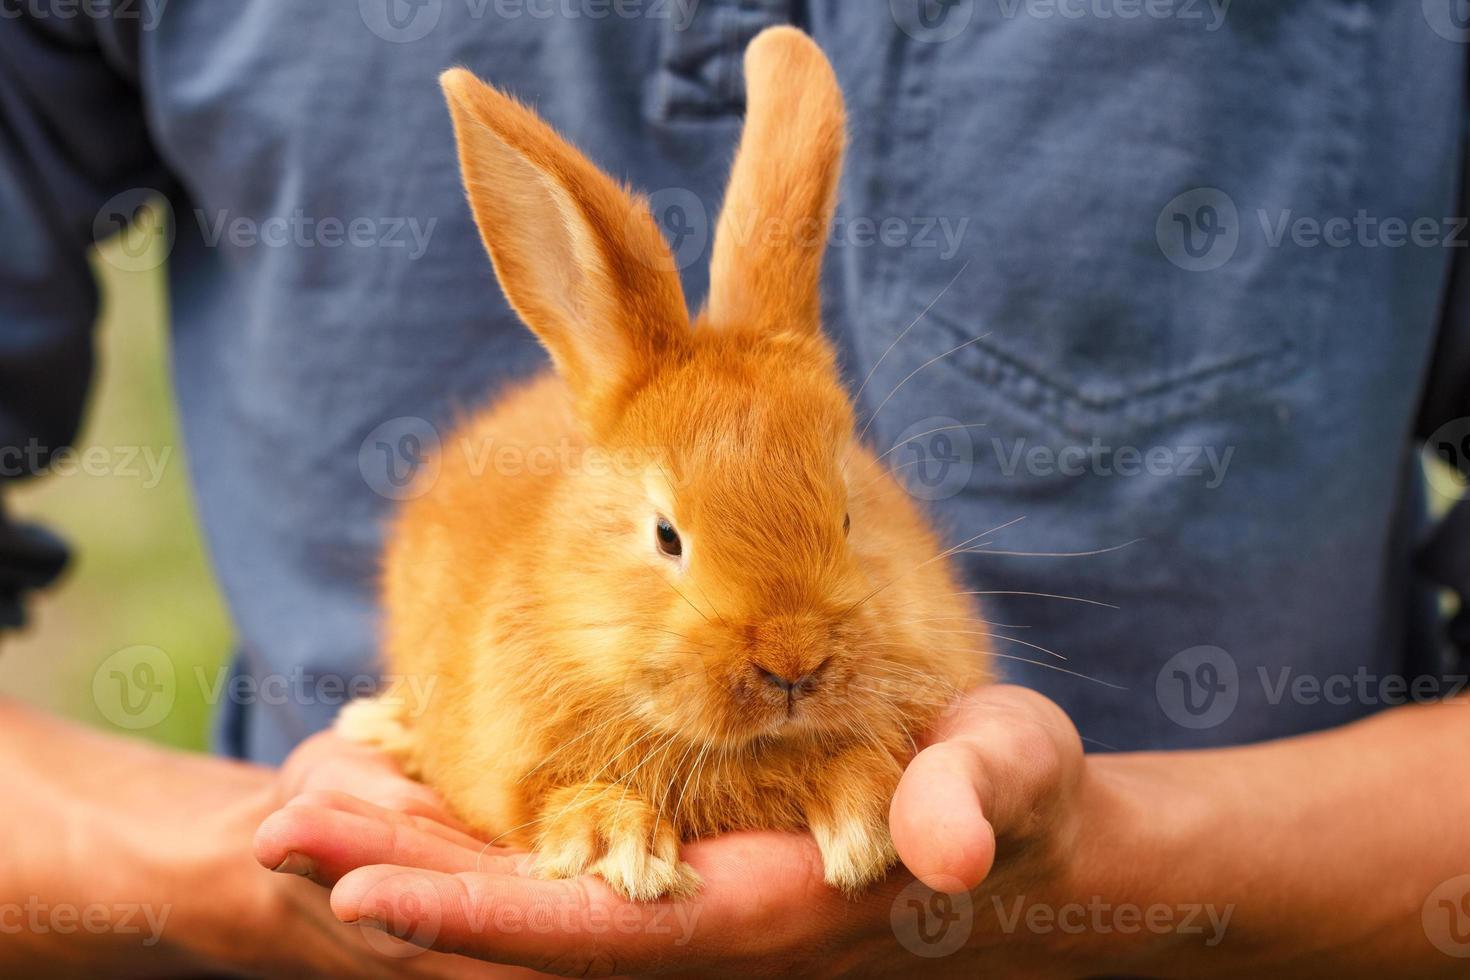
{"x":767,"y":266}
{"x":578,"y":256}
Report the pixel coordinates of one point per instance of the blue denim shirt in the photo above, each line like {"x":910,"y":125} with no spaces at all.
{"x":1179,"y":283}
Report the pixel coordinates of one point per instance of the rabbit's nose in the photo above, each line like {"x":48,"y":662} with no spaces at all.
{"x":792,"y":687}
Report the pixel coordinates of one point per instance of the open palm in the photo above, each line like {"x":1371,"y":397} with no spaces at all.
{"x":402,"y":866}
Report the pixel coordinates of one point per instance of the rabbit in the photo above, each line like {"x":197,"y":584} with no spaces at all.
{"x":715,"y":610}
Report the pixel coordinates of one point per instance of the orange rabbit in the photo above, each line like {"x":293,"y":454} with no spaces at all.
{"x":709,"y":608}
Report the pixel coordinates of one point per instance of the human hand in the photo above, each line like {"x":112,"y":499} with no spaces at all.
{"x":998,"y":795}
{"x":335,"y":802}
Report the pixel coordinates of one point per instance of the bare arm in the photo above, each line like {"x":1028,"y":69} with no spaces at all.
{"x":126,"y":859}
{"x":111,"y":837}
{"x":1336,"y":852}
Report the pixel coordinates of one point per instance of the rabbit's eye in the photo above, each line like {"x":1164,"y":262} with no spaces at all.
{"x":668,"y":539}
{"x":846,"y":524}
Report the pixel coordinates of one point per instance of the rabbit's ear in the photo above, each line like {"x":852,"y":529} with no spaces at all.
{"x":578,"y":256}
{"x":777,"y":216}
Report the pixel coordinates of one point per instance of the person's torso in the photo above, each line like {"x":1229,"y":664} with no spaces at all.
{"x":1162,"y":312}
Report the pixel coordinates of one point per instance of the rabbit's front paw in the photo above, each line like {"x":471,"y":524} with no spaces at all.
{"x":596,"y":829}
{"x":855,"y":852}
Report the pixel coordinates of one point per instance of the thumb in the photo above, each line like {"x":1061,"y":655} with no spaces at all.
{"x":998,"y":769}
{"x":938,"y":818}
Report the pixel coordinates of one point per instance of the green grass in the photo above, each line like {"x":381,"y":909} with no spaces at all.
{"x":139,"y":575}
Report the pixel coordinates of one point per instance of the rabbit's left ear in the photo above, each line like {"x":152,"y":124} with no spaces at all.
{"x":578,"y":256}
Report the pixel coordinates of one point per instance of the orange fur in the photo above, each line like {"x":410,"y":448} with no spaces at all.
{"x":592,"y":696}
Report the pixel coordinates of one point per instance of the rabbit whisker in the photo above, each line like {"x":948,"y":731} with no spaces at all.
{"x":910,"y":376}
{"x":1054,"y":554}
{"x":1040,"y":595}
{"x":913,"y":323}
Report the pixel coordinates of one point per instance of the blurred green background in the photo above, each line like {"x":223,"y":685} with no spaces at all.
{"x":139,"y":575}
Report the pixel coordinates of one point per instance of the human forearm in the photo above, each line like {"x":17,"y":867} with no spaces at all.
{"x":1321,"y":850}
{"x":119,"y":852}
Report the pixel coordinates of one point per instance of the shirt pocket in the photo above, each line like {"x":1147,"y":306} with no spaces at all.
{"x":1127,"y":191}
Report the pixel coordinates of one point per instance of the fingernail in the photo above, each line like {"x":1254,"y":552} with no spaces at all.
{"x":296,"y":864}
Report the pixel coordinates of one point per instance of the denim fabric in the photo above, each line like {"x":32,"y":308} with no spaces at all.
{"x":1093,"y":220}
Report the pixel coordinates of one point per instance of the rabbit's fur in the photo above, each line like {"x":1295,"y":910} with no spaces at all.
{"x":595,"y":697}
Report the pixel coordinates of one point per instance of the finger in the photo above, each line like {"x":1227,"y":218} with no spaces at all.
{"x":324,"y":844}
{"x":761,"y":891}
{"x":336,"y":800}
{"x":383,"y":787}
{"x":552,"y":926}
{"x":329,"y":763}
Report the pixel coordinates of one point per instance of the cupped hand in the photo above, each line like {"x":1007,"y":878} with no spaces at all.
{"x":993,"y":801}
{"x":346,"y":805}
